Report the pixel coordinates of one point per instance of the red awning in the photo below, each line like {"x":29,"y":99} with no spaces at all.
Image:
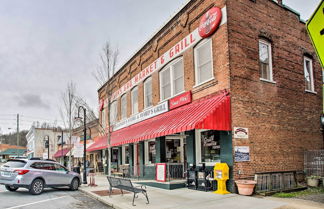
{"x":99,"y":144}
{"x":61,"y":153}
{"x":211,"y":113}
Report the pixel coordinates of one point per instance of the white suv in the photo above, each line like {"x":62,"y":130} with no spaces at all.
{"x":35,"y":175}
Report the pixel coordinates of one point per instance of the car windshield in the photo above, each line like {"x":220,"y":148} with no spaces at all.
{"x":15,"y":164}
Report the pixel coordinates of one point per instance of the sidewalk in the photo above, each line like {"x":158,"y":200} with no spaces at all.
{"x":179,"y":198}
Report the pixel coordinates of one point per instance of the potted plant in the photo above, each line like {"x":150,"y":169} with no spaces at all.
{"x":313,"y":181}
{"x":245,"y":187}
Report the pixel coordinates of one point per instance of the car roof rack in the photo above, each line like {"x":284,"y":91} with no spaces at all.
{"x":35,"y":158}
{"x":50,"y":160}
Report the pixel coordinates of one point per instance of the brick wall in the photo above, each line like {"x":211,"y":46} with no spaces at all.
{"x":179,"y":27}
{"x":282,"y":118}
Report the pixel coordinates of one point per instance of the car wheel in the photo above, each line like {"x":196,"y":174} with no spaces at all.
{"x":36,"y":187}
{"x":74,"y":184}
{"x":11,"y":188}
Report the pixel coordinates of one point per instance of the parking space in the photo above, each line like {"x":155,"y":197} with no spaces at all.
{"x":49,"y":199}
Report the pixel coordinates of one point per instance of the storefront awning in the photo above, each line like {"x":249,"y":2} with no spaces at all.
{"x":99,"y":144}
{"x":211,"y":113}
{"x":61,"y":152}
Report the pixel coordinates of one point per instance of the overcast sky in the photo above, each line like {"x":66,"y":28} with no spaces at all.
{"x":45,"y":44}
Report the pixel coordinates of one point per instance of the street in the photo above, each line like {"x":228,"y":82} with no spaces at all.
{"x":50,"y":199}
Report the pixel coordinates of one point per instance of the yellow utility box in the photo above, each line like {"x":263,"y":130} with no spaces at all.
{"x":221,"y":174}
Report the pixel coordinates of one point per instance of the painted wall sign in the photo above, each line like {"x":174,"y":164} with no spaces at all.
{"x":146,"y":114}
{"x":241,"y":153}
{"x":180,"y":100}
{"x":210,"y":22}
{"x":160,"y":172}
{"x":186,"y":43}
{"x":241,"y":133}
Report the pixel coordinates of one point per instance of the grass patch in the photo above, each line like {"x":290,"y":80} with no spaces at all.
{"x":309,"y":191}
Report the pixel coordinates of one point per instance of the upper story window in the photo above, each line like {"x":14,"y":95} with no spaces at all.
{"x":103,"y":117}
{"x":148,"y":92}
{"x":123,"y":108}
{"x":171,"y":79}
{"x":113,"y":112}
{"x":309,"y":75}
{"x":134,"y":98}
{"x":265,"y":59}
{"x":203,"y":62}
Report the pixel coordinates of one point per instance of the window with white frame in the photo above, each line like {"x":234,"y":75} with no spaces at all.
{"x":134,"y":98}
{"x":123,"y":106}
{"x":150,"y":151}
{"x":265,"y":59}
{"x":125,"y":154}
{"x":113,"y":112}
{"x":203,"y":62}
{"x":148,"y":92}
{"x":309,"y":74}
{"x":171,"y":79}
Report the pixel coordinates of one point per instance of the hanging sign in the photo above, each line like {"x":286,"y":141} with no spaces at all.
{"x":210,"y":22}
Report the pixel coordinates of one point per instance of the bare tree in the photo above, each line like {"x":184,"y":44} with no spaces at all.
{"x":67,"y":111}
{"x":103,"y":73}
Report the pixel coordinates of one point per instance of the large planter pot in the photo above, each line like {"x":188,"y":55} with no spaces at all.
{"x":245,"y":187}
{"x":312,"y":182}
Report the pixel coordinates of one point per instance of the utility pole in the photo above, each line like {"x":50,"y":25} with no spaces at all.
{"x":18,"y":135}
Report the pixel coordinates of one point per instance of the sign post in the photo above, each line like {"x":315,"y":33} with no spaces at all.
{"x":315,"y":28}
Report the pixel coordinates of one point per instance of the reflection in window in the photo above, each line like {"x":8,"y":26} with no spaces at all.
{"x":210,"y":147}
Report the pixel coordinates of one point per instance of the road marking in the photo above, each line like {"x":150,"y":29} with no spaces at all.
{"x":33,"y":203}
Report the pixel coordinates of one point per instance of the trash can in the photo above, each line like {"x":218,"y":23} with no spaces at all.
{"x":76,"y":169}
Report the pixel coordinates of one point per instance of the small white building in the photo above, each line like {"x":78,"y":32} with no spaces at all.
{"x":36,"y":138}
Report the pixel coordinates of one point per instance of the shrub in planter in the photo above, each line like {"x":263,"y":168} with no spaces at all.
{"x":313,"y":181}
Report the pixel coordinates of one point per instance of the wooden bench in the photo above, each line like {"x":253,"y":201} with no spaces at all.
{"x":126,"y":184}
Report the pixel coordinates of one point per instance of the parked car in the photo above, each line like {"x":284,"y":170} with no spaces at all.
{"x":35,"y":175}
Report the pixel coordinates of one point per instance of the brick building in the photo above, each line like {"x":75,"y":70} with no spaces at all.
{"x":233,"y":81}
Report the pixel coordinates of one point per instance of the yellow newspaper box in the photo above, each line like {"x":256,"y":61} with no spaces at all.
{"x":221,"y":174}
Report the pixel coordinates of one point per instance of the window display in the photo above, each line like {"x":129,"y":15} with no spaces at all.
{"x":152,"y":151}
{"x":210,"y":147}
{"x":173,"y":150}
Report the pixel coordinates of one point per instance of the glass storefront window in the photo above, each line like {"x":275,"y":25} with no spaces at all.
{"x":173,"y":150}
{"x":151,"y":151}
{"x":210,"y":147}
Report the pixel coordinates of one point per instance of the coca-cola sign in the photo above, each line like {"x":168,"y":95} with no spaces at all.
{"x":210,"y":22}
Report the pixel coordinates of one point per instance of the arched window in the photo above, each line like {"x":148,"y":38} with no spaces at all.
{"x":123,"y":106}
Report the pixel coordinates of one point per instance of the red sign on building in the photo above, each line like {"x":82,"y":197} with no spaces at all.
{"x":210,"y":22}
{"x":101,"y":104}
{"x":180,"y":100}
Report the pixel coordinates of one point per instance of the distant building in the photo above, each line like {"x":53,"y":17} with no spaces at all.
{"x":36,"y":138}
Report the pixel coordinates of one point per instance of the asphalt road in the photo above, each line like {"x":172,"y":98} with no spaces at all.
{"x":49,"y":199}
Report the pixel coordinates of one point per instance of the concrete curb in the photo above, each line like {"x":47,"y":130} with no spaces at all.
{"x":97,"y":197}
